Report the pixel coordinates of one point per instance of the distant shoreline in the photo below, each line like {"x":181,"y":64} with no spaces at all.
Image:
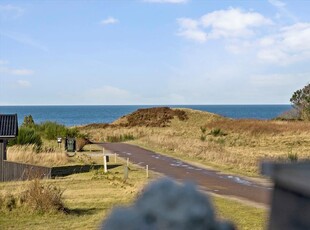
{"x":74,"y":115}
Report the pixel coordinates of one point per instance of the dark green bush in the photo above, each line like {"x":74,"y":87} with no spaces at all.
{"x":51,"y":130}
{"x":27,"y":136}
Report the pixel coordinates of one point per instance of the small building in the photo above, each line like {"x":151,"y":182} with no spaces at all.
{"x":8,"y":130}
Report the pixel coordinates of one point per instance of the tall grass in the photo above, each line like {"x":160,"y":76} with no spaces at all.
{"x":27,"y":136}
{"x":28,"y":154}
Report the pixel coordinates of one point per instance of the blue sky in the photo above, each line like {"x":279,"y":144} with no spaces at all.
{"x":153,"y":51}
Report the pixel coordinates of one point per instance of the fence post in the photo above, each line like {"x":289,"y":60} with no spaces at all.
{"x":114,"y":157}
{"x":147,"y":171}
{"x":127,"y":162}
{"x":105,"y":162}
{"x":125,"y":172}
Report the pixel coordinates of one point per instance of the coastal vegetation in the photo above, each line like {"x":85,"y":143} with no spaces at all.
{"x":234,"y":145}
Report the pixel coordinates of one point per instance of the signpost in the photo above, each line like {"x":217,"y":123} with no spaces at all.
{"x":106,"y":157}
{"x":59,"y":140}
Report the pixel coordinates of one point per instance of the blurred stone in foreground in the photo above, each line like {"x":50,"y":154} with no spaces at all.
{"x":290,"y":208}
{"x":167,"y":205}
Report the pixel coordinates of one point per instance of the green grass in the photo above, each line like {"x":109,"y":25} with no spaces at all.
{"x":91,"y":196}
{"x":88,"y":198}
{"x":242,"y":215}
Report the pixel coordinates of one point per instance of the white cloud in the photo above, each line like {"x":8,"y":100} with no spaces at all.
{"x":167,"y":1}
{"x":11,"y":71}
{"x":3,"y":62}
{"x":10,"y":11}
{"x":231,"y":23}
{"x":282,"y":10}
{"x":21,"y":71}
{"x":108,"y":21}
{"x":190,"y":30}
{"x":289,"y":45}
{"x":277,"y":3}
{"x":23,"y":84}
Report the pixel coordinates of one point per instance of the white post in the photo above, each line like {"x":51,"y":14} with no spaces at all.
{"x":127,"y":162}
{"x":114,"y":157}
{"x":147,"y":171}
{"x":105,"y":162}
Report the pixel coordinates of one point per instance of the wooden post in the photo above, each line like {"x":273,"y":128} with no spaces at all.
{"x":125,"y":172}
{"x":114,"y":157}
{"x":147,"y":171}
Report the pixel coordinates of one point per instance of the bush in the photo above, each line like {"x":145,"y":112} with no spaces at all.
{"x":43,"y":198}
{"x":51,"y":130}
{"x":292,"y":156}
{"x":27,"y":136}
{"x":36,"y":197}
{"x":292,"y":114}
{"x":120,"y":138}
{"x":217,"y":132}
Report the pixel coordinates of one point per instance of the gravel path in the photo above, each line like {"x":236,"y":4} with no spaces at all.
{"x":209,"y":180}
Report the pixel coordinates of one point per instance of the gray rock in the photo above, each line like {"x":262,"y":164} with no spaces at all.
{"x":164,"y":204}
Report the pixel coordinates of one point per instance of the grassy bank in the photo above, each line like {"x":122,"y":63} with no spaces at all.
{"x":237,"y":146}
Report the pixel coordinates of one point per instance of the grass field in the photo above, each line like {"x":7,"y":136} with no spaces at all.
{"x":91,"y":196}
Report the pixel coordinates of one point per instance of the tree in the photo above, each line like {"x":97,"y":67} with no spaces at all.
{"x":28,"y":122}
{"x":301,"y":102}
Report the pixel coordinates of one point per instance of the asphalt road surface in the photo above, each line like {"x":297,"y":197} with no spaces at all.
{"x":208,"y":180}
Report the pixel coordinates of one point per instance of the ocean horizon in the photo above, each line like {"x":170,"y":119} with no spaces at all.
{"x":75,"y":115}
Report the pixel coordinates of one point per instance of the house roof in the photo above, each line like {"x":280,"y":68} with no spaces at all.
{"x":8,"y":126}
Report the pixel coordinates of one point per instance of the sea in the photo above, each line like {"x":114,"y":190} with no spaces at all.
{"x":77,"y":115}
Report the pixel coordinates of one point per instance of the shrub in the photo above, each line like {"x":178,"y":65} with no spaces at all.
{"x":292,"y":156}
{"x":292,"y":114}
{"x":120,"y":138}
{"x":28,"y":122}
{"x":27,"y":136}
{"x":36,"y":197}
{"x":51,"y":130}
{"x":43,"y":198}
{"x":203,"y":129}
{"x":217,"y":132}
{"x":203,"y":137}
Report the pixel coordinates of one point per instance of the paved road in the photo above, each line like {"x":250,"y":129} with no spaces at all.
{"x":209,"y":180}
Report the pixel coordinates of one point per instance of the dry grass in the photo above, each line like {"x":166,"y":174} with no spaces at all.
{"x":87,"y":197}
{"x":29,"y":155}
{"x":36,"y":196}
{"x":245,"y":143}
